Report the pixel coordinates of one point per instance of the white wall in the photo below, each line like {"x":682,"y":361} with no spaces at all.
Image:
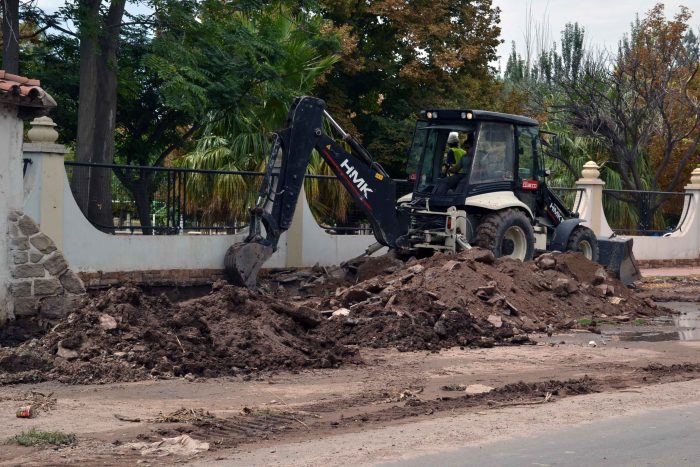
{"x":10,"y":191}
{"x":90,"y":250}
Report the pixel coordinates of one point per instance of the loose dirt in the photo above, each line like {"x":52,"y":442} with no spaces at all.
{"x":467,"y":300}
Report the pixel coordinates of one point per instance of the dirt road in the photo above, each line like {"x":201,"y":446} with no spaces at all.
{"x":395,"y":406}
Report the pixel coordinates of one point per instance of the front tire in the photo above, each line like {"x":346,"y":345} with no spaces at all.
{"x":583,"y":240}
{"x":507,"y":233}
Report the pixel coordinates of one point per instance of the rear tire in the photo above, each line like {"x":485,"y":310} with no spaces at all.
{"x":507,"y":233}
{"x":583,"y":240}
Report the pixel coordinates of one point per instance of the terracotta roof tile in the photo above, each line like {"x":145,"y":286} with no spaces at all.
{"x":25,"y":93}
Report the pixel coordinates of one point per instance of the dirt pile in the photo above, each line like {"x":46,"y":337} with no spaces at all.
{"x":474,"y":299}
{"x":124,"y":335}
{"x":469,"y":299}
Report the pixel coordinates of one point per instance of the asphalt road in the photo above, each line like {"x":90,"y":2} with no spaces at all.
{"x":669,"y":437}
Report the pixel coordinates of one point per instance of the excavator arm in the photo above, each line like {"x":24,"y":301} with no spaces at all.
{"x":368,"y":184}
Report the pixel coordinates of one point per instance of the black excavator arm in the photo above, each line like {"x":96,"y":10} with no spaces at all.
{"x":368,"y":184}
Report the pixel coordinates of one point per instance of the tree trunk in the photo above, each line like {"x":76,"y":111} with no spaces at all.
{"x":100,"y":201}
{"x":141,"y":190}
{"x":97,"y":110}
{"x":88,"y":22}
{"x":10,"y":36}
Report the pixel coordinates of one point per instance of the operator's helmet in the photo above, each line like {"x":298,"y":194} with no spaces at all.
{"x":453,"y":138}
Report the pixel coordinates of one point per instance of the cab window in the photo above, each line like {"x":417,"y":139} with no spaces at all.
{"x":494,"y":157}
{"x":527,"y":139}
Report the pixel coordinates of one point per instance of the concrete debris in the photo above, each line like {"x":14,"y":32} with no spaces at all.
{"x":107,"y":322}
{"x":474,"y":389}
{"x":340,"y":312}
{"x":495,"y":320}
{"x":182,"y":445}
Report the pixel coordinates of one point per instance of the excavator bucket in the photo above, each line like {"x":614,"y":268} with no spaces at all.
{"x":616,"y":254}
{"x":243,"y":261}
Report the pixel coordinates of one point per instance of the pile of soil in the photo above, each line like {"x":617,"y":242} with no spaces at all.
{"x":125,"y":335}
{"x":474,"y":299}
{"x":469,"y":299}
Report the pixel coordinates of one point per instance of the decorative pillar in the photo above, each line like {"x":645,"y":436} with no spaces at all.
{"x":48,"y":158}
{"x":591,"y":206}
{"x":691,"y":210}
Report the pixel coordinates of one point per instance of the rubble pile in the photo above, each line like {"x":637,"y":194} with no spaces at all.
{"x":474,"y":299}
{"x":470,"y":299}
{"x":124,"y":335}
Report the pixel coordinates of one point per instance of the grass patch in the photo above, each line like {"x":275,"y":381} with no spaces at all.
{"x":640,"y":322}
{"x":589,"y":322}
{"x":34,"y":437}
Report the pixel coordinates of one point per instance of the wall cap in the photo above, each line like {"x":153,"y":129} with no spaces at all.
{"x":30,"y":149}
{"x":42,"y":130}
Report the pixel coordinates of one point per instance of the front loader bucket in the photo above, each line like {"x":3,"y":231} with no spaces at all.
{"x":616,"y":254}
{"x":243,"y":262}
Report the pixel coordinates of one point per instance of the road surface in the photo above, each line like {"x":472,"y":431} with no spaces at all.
{"x":666,"y":437}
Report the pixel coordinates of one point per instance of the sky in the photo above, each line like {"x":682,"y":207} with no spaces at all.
{"x":605,"y":21}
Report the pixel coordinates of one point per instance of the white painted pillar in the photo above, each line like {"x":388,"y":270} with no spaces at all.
{"x":590,"y":201}
{"x":11,"y":194}
{"x":50,"y":174}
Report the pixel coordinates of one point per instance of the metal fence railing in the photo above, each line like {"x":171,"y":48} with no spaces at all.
{"x":167,"y":201}
{"x":650,"y":213}
{"x":26,"y":162}
{"x":571,"y":197}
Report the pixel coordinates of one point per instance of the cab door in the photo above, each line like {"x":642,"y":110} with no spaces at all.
{"x":527,"y":182}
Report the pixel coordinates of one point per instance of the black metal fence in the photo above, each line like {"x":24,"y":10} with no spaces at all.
{"x":571,"y":197}
{"x":169,"y":201}
{"x":651,"y":213}
{"x":25,"y":164}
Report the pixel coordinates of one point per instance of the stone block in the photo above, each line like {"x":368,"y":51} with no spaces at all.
{"x":50,"y":286}
{"x":14,"y":231}
{"x":56,"y":264}
{"x":14,"y":215}
{"x":20,"y":243}
{"x":28,"y":226}
{"x":35,"y":257}
{"x":26,"y":307}
{"x":20,"y":257}
{"x":43,"y":243}
{"x":52,"y":307}
{"x":72,"y":283}
{"x":21,"y":289}
{"x":28,"y":270}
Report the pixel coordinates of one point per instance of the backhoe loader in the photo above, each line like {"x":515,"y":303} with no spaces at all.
{"x":495,"y":196}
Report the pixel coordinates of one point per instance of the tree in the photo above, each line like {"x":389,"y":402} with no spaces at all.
{"x":642,"y":99}
{"x":10,"y":36}
{"x":401,"y":56}
{"x":272,"y":56}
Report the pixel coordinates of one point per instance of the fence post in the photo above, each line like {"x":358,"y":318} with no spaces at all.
{"x":48,"y":157}
{"x":591,"y":203}
{"x":691,"y":209}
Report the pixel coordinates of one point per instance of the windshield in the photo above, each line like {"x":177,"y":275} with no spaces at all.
{"x":432,"y":156}
{"x":494,"y":158}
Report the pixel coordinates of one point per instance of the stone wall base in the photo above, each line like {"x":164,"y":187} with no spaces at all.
{"x":167,"y":277}
{"x":668,"y":263}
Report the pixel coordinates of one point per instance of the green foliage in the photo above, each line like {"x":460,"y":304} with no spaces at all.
{"x":403,"y":56}
{"x":278,"y":56}
{"x":34,"y":437}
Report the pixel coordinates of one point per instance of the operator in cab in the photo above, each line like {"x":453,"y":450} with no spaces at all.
{"x":457,"y":163}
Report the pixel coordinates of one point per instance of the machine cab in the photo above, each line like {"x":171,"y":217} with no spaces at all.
{"x":456,"y":154}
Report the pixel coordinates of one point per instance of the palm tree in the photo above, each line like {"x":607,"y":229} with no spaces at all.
{"x":240,"y":141}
